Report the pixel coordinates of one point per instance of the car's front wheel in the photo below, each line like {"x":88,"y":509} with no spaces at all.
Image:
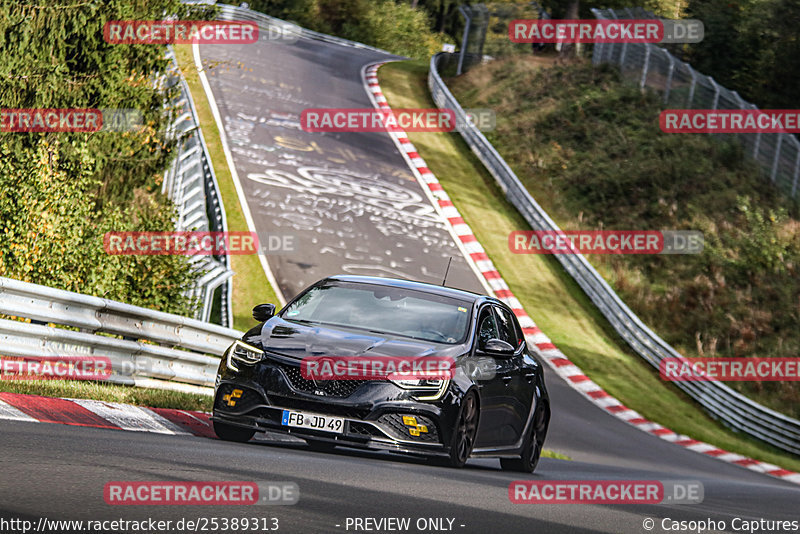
{"x":532,"y":450}
{"x":464,"y":434}
{"x":232,"y":433}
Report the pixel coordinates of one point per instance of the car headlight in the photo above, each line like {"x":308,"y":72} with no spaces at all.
{"x":241,"y":352}
{"x":418,"y":383}
{"x":436,"y":387}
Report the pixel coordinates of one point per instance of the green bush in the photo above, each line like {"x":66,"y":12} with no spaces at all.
{"x":60,"y":192}
{"x":394,"y":26}
{"x":52,"y":232}
{"x":398,"y":28}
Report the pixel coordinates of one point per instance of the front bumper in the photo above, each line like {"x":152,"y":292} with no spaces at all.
{"x":373,"y":412}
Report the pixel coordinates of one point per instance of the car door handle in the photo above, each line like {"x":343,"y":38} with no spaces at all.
{"x":506,"y":379}
{"x":529,"y":377}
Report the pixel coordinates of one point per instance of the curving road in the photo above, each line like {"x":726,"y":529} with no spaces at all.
{"x":353,"y":206}
{"x":347,"y":200}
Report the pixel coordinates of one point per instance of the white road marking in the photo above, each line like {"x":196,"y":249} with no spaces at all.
{"x":129,"y":417}
{"x":9,"y":412}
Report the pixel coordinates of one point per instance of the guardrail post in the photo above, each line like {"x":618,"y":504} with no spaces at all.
{"x":624,"y":45}
{"x":774,"y":173}
{"x":599,"y":48}
{"x":714,"y":84}
{"x":796,"y":166}
{"x":645,"y":67}
{"x":690,"y":98}
{"x":758,"y":137}
{"x":464,"y":10}
{"x":670,"y":72}
{"x":597,"y":53}
{"x":608,"y":48}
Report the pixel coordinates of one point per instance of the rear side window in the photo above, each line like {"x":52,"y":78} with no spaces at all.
{"x":506,"y":326}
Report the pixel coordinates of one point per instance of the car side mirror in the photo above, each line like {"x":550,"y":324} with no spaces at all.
{"x":263,"y":312}
{"x":497,"y":347}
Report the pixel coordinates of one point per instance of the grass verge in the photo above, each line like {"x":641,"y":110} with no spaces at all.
{"x":550,"y":296}
{"x":547,"y":453}
{"x":81,"y":389}
{"x":250,"y":284}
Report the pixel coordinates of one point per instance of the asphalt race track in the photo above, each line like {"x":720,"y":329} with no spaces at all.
{"x":347,"y":200}
{"x":58,"y":472}
{"x":353,"y":206}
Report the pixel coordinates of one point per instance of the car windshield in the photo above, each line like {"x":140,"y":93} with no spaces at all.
{"x":384,"y":310}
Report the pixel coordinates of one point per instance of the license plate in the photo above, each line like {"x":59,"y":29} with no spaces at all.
{"x":314,"y":421}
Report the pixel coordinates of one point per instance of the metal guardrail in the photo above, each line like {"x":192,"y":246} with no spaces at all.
{"x":728,"y":406}
{"x":778,"y":154}
{"x":192,"y":186}
{"x":145,"y":347}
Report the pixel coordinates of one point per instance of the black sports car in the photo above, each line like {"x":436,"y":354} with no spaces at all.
{"x":491,"y":402}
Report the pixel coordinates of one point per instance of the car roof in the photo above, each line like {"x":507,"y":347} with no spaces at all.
{"x":409,"y":284}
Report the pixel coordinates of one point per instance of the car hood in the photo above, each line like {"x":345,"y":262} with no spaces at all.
{"x":300,"y":341}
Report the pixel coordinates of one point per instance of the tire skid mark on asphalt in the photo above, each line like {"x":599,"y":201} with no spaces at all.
{"x":562,"y":366}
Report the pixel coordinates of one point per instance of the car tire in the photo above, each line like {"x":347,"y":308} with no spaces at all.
{"x":465,"y":431}
{"x":531,"y":451}
{"x":320,"y":446}
{"x":233,"y":433}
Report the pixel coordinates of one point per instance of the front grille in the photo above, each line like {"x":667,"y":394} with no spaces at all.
{"x":328,"y":388}
{"x":395,"y":425}
{"x":242,"y":403}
